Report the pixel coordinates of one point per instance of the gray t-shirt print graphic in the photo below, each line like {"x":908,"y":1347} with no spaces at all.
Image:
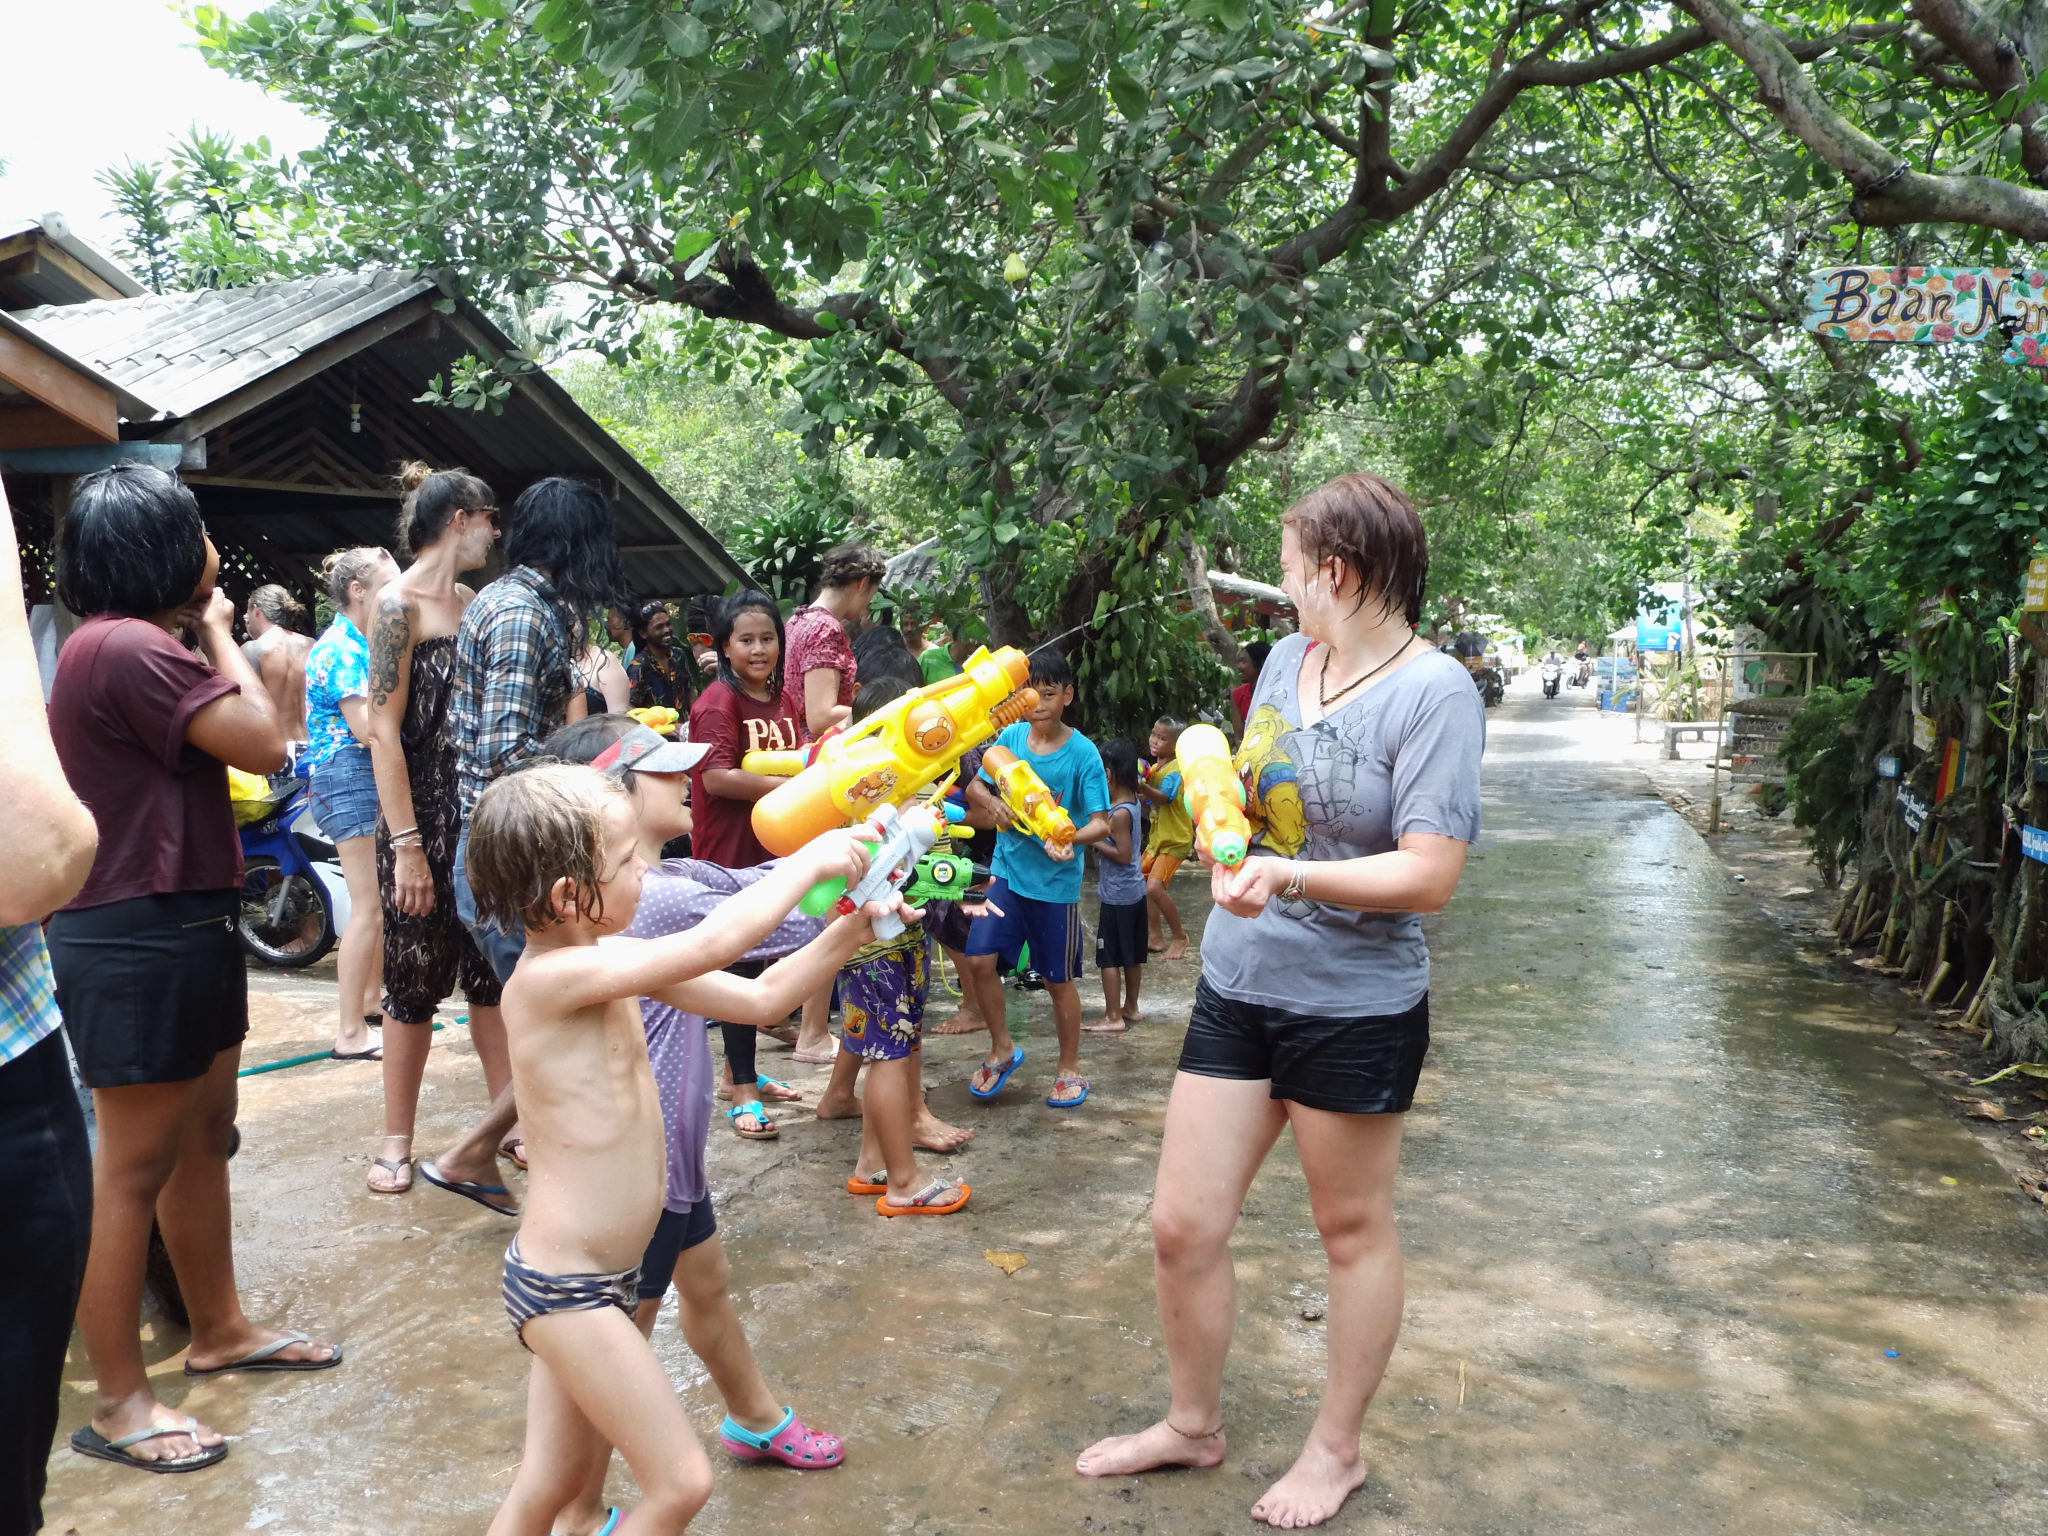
{"x":1401,"y":757}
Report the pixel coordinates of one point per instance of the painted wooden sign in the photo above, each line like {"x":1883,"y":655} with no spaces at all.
{"x":2034,"y":596}
{"x":1912,"y":808}
{"x":1933,"y":305}
{"x":1887,"y":767}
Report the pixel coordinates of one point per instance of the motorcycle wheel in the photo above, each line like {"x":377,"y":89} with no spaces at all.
{"x":285,"y":920}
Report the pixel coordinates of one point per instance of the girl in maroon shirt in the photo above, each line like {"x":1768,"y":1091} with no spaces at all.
{"x":743,"y":710}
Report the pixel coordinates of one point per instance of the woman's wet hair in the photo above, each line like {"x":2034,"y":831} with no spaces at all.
{"x":277,"y":604}
{"x":345,"y":567}
{"x":531,"y":829}
{"x":723,"y":619}
{"x":1371,"y":526}
{"x":429,"y":498}
{"x":563,"y":528}
{"x":846,"y":565}
{"x":1120,"y":761}
{"x":132,"y":543}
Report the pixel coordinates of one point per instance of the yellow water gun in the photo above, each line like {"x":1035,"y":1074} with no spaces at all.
{"x":892,"y":754}
{"x":1037,"y":809}
{"x":1213,"y":794}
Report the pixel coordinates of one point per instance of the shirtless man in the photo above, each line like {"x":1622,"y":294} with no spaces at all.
{"x":276,"y":649}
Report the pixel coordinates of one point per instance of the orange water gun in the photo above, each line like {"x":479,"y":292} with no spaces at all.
{"x":1037,"y":808}
{"x":1213,"y":794}
{"x":895,"y":752}
{"x":787,"y":762}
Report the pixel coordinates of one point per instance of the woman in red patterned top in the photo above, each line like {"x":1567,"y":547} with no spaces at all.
{"x":819,"y":681}
{"x":743,"y":710}
{"x":819,"y":678}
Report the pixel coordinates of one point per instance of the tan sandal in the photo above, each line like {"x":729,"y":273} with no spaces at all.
{"x":397,"y":1168}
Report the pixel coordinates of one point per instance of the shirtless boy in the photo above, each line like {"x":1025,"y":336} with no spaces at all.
{"x":554,"y":848}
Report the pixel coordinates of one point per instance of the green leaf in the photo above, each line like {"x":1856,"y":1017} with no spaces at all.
{"x":687,"y":36}
{"x":690,"y":242}
{"x":766,"y":17}
{"x":1129,"y":96}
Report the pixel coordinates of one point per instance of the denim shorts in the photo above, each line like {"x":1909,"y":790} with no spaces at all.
{"x":344,"y":795}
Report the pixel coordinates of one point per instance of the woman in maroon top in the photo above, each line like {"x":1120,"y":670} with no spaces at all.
{"x":148,"y":967}
{"x":743,"y":710}
{"x":819,"y":682}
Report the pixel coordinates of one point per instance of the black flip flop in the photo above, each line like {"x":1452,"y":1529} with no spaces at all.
{"x":374,"y":1053}
{"x":90,"y":1442}
{"x":467,"y":1189}
{"x":265,"y":1359}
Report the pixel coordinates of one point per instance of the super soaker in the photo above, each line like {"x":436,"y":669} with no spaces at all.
{"x":1213,"y":794}
{"x":894,"y":753}
{"x":1037,"y":808}
{"x":906,"y":839}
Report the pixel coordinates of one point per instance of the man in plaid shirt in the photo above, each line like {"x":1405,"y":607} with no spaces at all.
{"x":514,"y":676}
{"x":46,"y":1218}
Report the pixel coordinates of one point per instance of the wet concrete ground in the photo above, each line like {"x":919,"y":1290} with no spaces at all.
{"x":1690,"y":1250}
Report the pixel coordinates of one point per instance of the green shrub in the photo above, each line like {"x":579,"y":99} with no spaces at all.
{"x":1827,"y":772}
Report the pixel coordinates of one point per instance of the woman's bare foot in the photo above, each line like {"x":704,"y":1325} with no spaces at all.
{"x":1159,"y":1446}
{"x":1178,"y":949}
{"x":1108,"y":1024}
{"x":1313,"y":1490}
{"x":839,"y":1106}
{"x":962,"y":1023}
{"x":931,"y":1134}
{"x":1132,"y":1014}
{"x":145,"y":1412}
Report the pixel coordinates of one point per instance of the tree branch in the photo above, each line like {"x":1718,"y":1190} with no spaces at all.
{"x":1994,"y":62}
{"x":1888,"y":191}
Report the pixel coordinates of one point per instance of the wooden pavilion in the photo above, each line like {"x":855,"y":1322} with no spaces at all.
{"x":286,"y":407}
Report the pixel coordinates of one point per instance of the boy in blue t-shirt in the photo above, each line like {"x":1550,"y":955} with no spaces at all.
{"x":1035,"y":897}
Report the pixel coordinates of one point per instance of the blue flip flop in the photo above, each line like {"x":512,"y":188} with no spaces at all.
{"x":1002,"y":1077}
{"x":1061,"y":1081}
{"x":610,"y":1525}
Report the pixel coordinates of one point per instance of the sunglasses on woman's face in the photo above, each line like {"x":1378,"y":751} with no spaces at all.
{"x":488,"y":514}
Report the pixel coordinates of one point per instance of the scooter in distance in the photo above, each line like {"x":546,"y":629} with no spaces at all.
{"x":1553,"y":674}
{"x":294,"y":899}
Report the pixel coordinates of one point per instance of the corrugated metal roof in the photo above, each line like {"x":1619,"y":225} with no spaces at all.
{"x":183,"y":351}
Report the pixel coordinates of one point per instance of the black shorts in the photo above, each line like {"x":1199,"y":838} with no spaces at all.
{"x":1120,"y":936}
{"x":152,"y":988}
{"x":674,"y":1235}
{"x":1355,"y":1066}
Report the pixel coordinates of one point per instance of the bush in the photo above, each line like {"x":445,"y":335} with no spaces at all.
{"x":1828,"y":771}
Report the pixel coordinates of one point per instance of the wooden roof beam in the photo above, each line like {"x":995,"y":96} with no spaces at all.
{"x":85,"y":408}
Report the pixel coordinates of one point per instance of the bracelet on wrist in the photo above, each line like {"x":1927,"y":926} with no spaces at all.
{"x":1296,"y":875}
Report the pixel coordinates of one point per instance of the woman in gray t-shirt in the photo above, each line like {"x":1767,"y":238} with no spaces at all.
{"x":1361,"y":753}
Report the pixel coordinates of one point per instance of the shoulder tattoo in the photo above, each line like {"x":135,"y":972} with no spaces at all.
{"x":390,"y":640}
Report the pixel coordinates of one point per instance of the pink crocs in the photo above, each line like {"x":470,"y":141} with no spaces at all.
{"x":789,"y":1442}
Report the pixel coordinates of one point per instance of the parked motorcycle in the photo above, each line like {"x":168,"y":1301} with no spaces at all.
{"x":1553,"y":674}
{"x":294,"y":899}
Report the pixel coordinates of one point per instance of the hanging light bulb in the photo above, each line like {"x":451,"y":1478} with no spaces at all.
{"x":355,"y":417}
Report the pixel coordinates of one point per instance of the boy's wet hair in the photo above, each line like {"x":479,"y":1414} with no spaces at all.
{"x":531,"y":829}
{"x":1049,"y":669}
{"x":1120,"y":761}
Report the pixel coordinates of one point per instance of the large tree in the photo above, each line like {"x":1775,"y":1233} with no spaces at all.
{"x":1080,"y":260}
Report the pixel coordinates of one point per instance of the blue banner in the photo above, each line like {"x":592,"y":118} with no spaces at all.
{"x":2034,"y":844}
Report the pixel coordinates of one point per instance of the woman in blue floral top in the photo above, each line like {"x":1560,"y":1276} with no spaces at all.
{"x":344,"y":789}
